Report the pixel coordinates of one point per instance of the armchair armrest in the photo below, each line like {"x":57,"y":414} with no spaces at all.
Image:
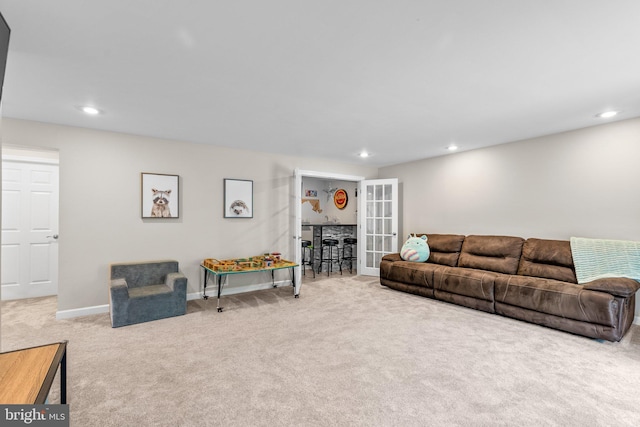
{"x":176,"y":281}
{"x":618,"y":286}
{"x":119,"y":287}
{"x":118,"y":283}
{"x":118,"y":292}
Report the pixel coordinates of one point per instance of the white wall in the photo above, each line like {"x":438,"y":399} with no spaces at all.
{"x":100,"y":218}
{"x":582,"y":183}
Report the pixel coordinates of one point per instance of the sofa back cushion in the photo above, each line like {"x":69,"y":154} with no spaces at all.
{"x":445,"y":248}
{"x":550,"y":259}
{"x":493,"y":253}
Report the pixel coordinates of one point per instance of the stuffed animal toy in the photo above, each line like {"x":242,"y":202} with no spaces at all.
{"x":415,"y":249}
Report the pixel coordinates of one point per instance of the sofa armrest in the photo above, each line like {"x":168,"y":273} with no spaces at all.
{"x":392,"y":257}
{"x":386,"y":263}
{"x":176,"y":281}
{"x":618,"y":286}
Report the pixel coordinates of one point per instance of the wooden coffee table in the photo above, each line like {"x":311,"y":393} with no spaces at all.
{"x":26,"y":375}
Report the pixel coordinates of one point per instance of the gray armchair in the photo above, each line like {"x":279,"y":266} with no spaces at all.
{"x":145,"y":291}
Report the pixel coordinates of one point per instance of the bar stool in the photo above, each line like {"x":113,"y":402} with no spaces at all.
{"x":349,"y":242}
{"x":307,"y":249}
{"x":330,"y":244}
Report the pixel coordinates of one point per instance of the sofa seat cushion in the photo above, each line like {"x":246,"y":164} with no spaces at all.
{"x":145,"y":291}
{"x":560,"y":299}
{"x":412,"y":273}
{"x":492,"y":253}
{"x":550,"y":259}
{"x":467,"y":282}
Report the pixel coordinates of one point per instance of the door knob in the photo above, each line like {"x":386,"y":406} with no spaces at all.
{"x":55,"y":236}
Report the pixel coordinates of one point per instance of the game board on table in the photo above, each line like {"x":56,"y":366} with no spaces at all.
{"x":256,"y":263}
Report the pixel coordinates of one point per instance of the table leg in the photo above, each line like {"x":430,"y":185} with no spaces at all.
{"x":293,"y":282}
{"x":63,"y":379}
{"x":219,"y":291}
{"x":273,"y":279}
{"x":204,"y":288}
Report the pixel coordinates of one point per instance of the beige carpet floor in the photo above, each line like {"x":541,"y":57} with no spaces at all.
{"x":348,"y":352}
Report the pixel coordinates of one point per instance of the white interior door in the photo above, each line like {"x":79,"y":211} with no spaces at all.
{"x":378,"y":221}
{"x":29,"y":229}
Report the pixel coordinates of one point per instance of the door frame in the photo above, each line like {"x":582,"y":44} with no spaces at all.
{"x":298,"y":174}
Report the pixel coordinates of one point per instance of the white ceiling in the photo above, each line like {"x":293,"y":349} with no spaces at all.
{"x":402,"y":79}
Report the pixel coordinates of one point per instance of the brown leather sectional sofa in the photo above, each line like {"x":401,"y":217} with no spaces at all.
{"x":532,"y":280}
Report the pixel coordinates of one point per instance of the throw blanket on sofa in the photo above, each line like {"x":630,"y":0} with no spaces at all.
{"x":599,"y":258}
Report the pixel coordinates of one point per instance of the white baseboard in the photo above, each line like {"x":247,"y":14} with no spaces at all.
{"x":84,"y":311}
{"x":212,"y":292}
{"x":194,"y":295}
{"x":636,"y":320}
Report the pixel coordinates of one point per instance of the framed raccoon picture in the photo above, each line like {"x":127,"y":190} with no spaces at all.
{"x":160,"y":196}
{"x":238,"y":198}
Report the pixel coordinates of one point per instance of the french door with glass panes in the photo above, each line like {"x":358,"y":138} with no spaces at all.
{"x":378,"y":221}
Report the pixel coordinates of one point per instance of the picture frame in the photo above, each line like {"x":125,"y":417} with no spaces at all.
{"x":238,"y":198}
{"x":159,"y":195}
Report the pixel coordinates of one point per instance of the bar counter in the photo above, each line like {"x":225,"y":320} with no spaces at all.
{"x":336,"y":231}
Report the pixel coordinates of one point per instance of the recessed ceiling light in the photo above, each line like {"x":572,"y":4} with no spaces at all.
{"x":452,"y":147}
{"x":363,"y":154}
{"x":607,"y":114}
{"x":93,"y":111}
